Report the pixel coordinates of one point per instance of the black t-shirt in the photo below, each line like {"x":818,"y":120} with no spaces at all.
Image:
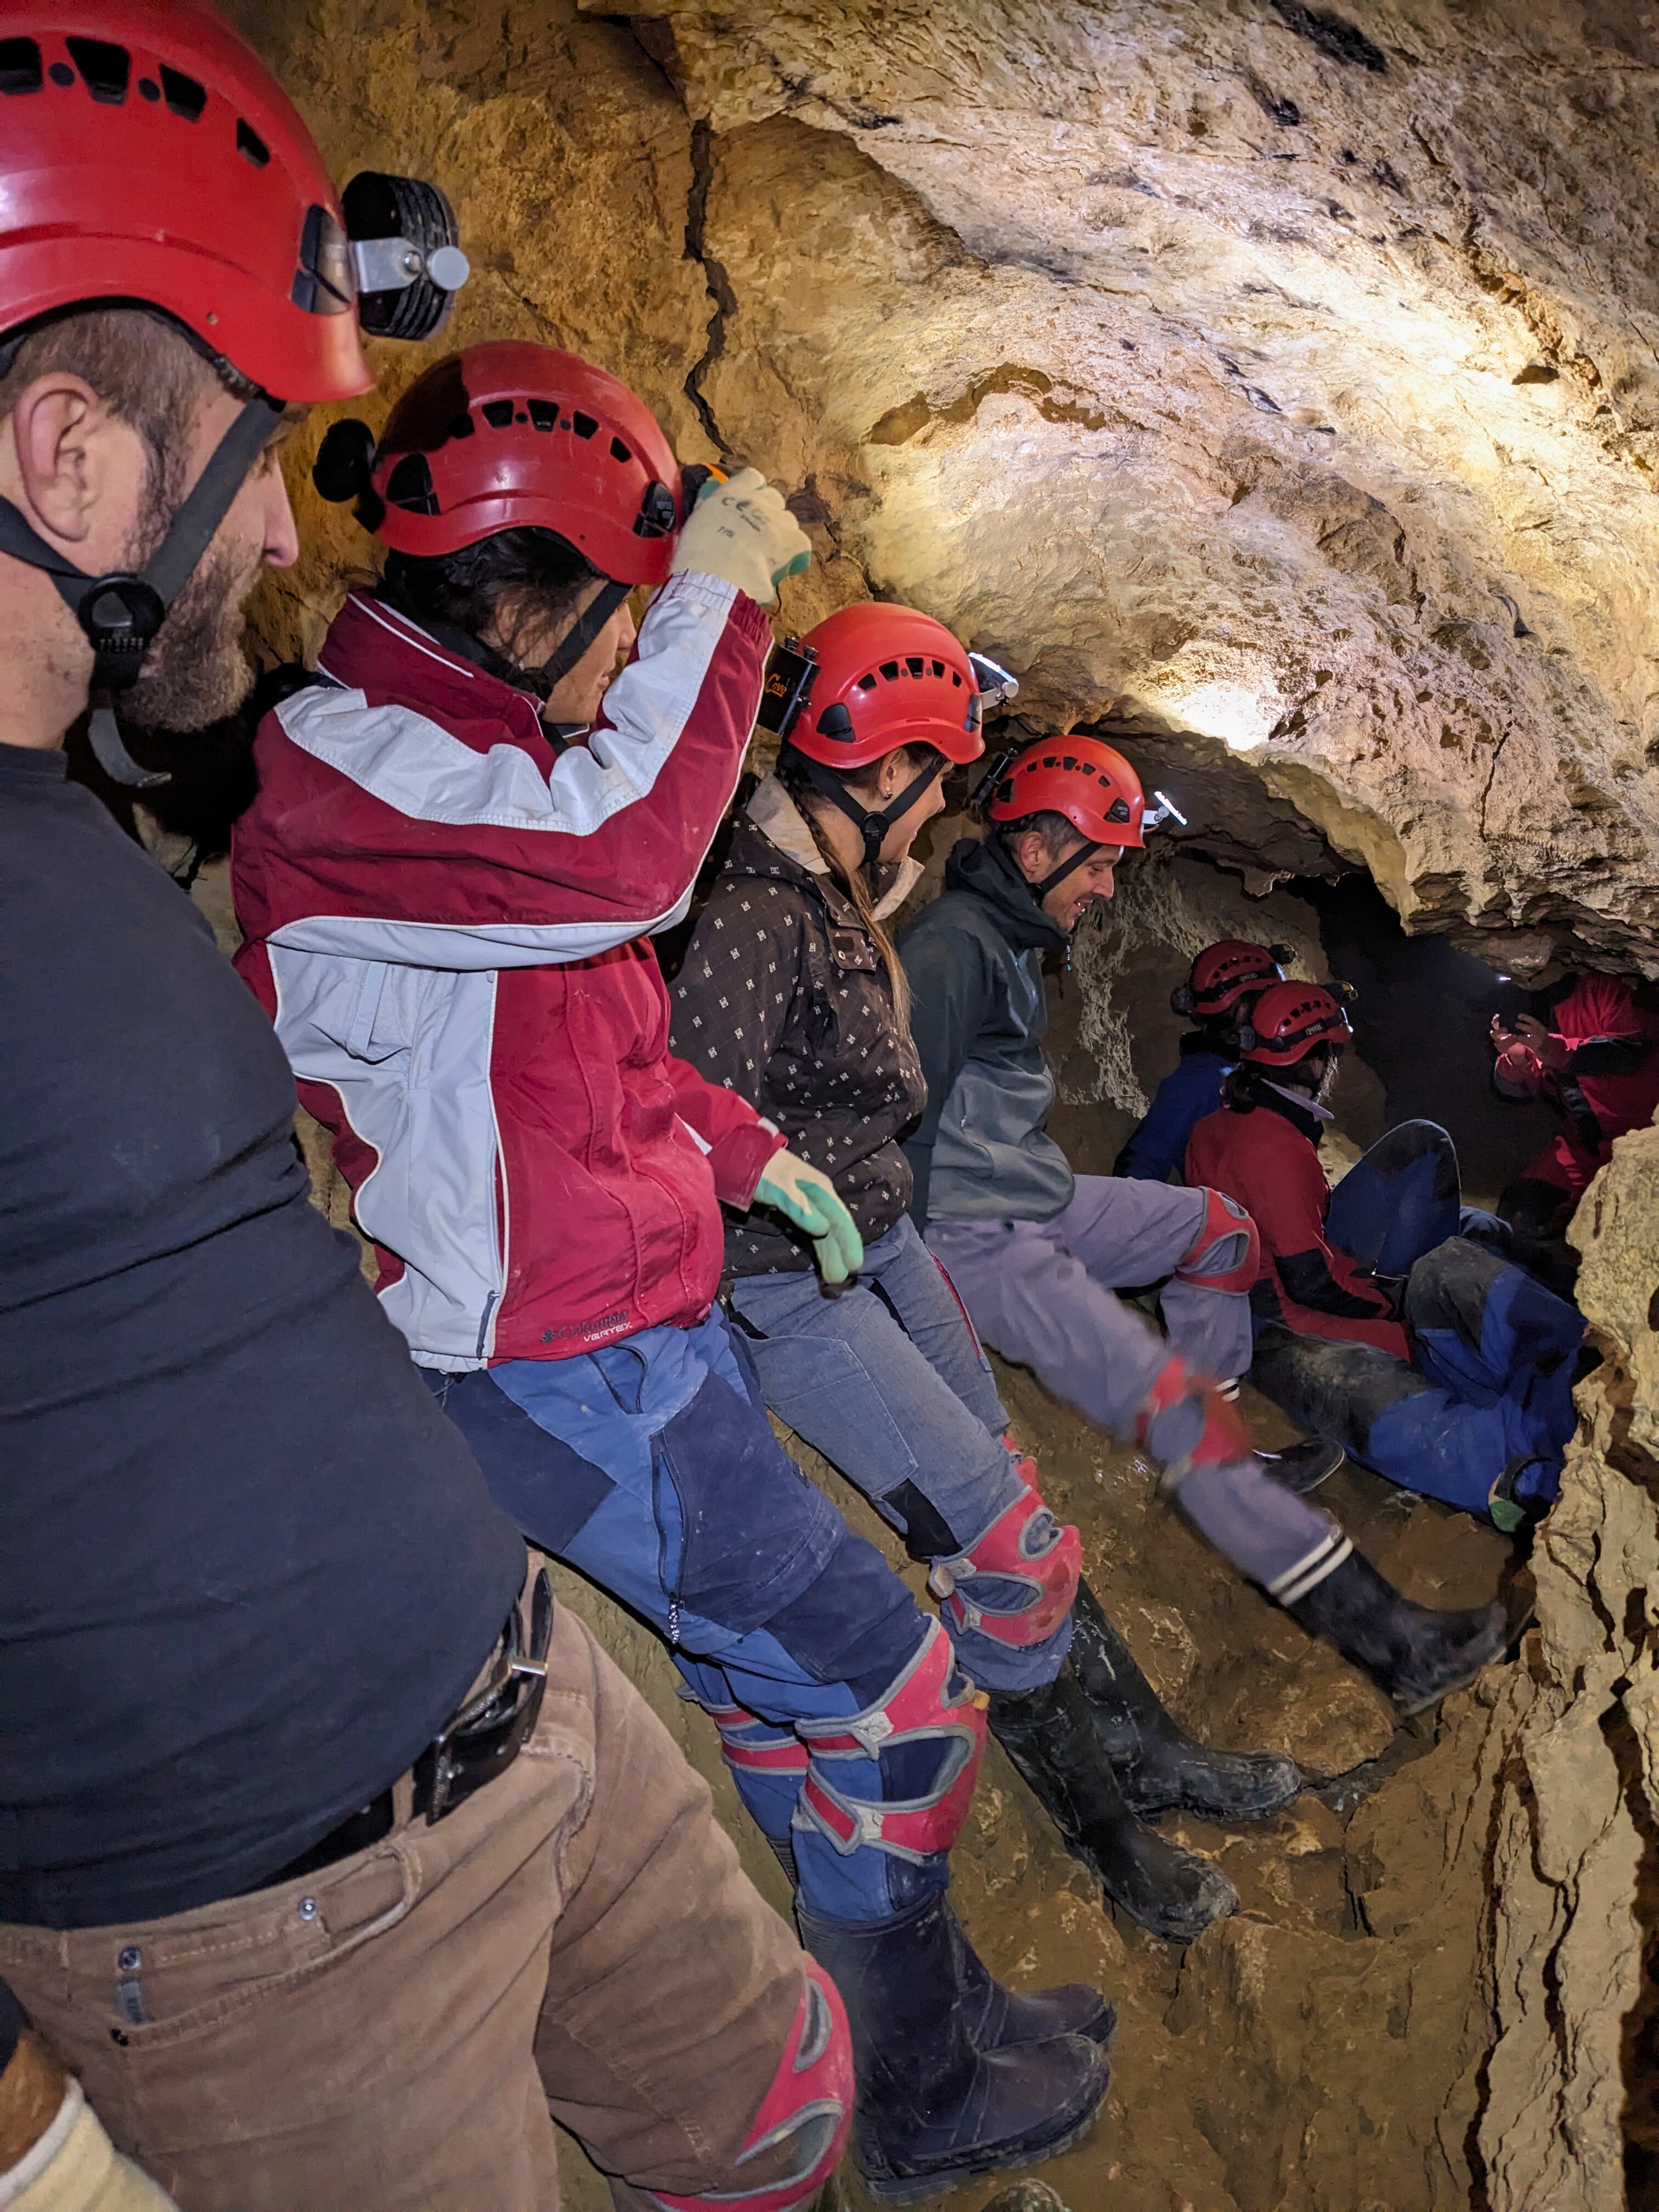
{"x":246,"y":1567}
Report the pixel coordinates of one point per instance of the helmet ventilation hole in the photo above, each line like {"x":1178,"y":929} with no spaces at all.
{"x":183,"y":96}
{"x":104,"y":67}
{"x":20,"y":66}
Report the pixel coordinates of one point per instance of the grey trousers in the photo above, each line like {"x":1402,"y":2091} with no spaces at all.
{"x":1043,"y":1293}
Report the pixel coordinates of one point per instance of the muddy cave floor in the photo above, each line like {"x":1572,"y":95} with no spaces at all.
{"x":1318,"y":2035}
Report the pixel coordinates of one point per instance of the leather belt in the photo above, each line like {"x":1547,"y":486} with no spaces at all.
{"x":478,"y":1741}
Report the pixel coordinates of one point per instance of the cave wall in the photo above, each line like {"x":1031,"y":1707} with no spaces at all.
{"x":1225,"y":375}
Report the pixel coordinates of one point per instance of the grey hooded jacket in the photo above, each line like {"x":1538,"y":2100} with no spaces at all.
{"x":979,"y":1014}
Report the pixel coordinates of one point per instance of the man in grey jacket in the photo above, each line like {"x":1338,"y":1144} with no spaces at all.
{"x":1038,"y":1253}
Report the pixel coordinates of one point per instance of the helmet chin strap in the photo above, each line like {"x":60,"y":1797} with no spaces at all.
{"x":872,"y":825}
{"x":1085,"y":851}
{"x":544,"y":681}
{"x":121,"y":612}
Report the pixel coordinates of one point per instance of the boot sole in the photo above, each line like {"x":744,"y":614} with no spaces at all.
{"x":1209,"y":1810}
{"x":1303,"y":1489}
{"x":933,"y":2185}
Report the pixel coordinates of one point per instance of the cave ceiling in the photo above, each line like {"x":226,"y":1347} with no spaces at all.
{"x":1278,"y":384}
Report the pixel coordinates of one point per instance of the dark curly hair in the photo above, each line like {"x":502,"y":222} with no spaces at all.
{"x":512,"y":583}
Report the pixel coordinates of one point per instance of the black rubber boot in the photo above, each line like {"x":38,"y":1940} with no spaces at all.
{"x":1300,"y":1468}
{"x":1418,"y":1653}
{"x":997,"y":2018}
{"x":931,"y":2110}
{"x":1050,"y":1735}
{"x":1158,"y":1765}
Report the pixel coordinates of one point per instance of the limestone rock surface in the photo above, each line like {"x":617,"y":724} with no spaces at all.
{"x":1272,"y":376}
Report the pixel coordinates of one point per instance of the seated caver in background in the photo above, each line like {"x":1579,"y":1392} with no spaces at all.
{"x":1038,"y":1254}
{"x":1223,"y":984}
{"x":449,"y":906}
{"x":792,"y":993}
{"x":1597,"y":1063}
{"x":1385,"y":1313}
{"x":328,"y":1866}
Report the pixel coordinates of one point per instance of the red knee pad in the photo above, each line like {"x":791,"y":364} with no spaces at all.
{"x":1221,"y":1438}
{"x":756,"y":1745}
{"x":1025,"y":1545}
{"x":1226,"y":1253}
{"x":809,"y":2105}
{"x":932,"y":1700}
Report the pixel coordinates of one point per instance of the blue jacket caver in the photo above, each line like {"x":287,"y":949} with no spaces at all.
{"x":1157,"y":1147}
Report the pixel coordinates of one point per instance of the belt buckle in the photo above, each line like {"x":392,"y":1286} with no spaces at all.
{"x":443,"y":1774}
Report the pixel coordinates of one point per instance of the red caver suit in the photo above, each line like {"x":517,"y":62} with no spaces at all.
{"x":1274,"y":1172}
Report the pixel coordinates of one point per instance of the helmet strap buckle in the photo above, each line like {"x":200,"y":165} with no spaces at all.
{"x":873,"y":824}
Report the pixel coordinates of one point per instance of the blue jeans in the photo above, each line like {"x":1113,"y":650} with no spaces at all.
{"x":649,"y":1466}
{"x":887,"y":1380}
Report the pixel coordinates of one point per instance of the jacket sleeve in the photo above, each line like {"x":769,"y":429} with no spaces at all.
{"x":1306,"y":1278}
{"x":380,"y":834}
{"x":731,"y":998}
{"x":952,"y":995}
{"x":1608,"y":1055}
{"x":1159,"y":1145}
{"x":736,"y":1140}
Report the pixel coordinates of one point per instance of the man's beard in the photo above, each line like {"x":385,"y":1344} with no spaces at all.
{"x":1327,"y":1080}
{"x":196,"y":672}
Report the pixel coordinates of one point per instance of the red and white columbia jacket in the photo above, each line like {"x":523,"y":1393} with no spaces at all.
{"x":444,"y":919}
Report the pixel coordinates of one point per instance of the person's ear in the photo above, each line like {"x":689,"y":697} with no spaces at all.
{"x":60,"y":431}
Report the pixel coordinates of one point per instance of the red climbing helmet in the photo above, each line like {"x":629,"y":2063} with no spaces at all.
{"x":887,"y":677}
{"x":147,"y":154}
{"x":148,"y":158}
{"x":1089,"y":782}
{"x":509,"y":437}
{"x":1288,"y":1020}
{"x":1224,"y":974}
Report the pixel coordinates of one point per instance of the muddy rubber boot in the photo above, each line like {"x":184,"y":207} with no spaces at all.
{"x":1417,"y":1654}
{"x":1158,"y":1765}
{"x":1300,"y":1468}
{"x":931,"y":2110}
{"x":1050,"y":1735}
{"x":997,"y":2018}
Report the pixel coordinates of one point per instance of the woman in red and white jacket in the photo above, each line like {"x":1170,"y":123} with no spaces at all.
{"x":448,"y":894}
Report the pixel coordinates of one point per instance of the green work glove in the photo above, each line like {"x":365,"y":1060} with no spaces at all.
{"x":808,"y":1199}
{"x":742,"y":532}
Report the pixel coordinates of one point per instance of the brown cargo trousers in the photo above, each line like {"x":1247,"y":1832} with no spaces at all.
{"x":389,"y":2034}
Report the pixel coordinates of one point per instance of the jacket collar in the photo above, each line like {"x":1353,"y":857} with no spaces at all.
{"x":781,"y":823}
{"x":988,"y":872}
{"x":370,"y":648}
{"x":1304,"y":1115}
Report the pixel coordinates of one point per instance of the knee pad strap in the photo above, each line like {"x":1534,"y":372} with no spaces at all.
{"x":752,"y":1746}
